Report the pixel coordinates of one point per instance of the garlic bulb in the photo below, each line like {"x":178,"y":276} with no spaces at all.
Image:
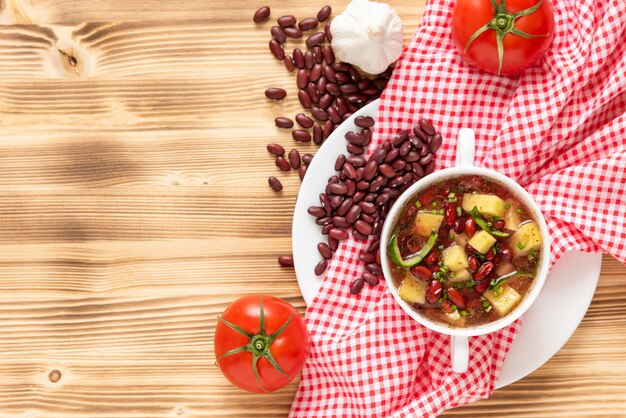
{"x":367,"y":34}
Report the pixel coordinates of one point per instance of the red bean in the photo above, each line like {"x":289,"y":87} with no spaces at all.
{"x":278,"y":34}
{"x":450,"y":213}
{"x":473,"y":263}
{"x":455,"y":297}
{"x":289,"y":63}
{"x":282,"y":164}
{"x":375,"y":269}
{"x":294,"y":158}
{"x":298,"y":58}
{"x":285,"y":260}
{"x":422,"y":272}
{"x":357,"y":286}
{"x":370,"y":278}
{"x":309,"y":59}
{"x":459,"y":225}
{"x":276,"y":149}
{"x":367,"y":257}
{"x":434,"y":291}
{"x":362,"y":226}
{"x":324,"y":13}
{"x":308,"y":23}
{"x":276,"y":49}
{"x":432,"y":258}
{"x":287,"y":20}
{"x":338,"y":234}
{"x":353,"y":214}
{"x":325,"y":250}
{"x":300,"y":135}
{"x":470,"y":227}
{"x":364,"y":121}
{"x":499,"y":225}
{"x":275,"y":93}
{"x":506,"y":254}
{"x":315,"y":39}
{"x":302,"y":171}
{"x":329,"y":35}
{"x":263,"y":13}
{"x":320,"y":268}
{"x":484,"y":271}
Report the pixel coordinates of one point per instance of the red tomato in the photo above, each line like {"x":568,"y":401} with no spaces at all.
{"x":261,"y":343}
{"x":526,"y":28}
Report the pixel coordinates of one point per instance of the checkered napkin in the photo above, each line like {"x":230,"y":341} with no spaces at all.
{"x":559,"y":130}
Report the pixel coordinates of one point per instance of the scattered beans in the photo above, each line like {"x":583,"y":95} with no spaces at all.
{"x":277,"y":49}
{"x":275,"y":184}
{"x":315,"y":39}
{"x":276,"y":149}
{"x":289,"y":63}
{"x":364,"y":121}
{"x":325,"y":250}
{"x":263,"y":13}
{"x":282,"y":164}
{"x":279,"y":34}
{"x":302,"y":171}
{"x":294,"y":158}
{"x":308,"y":23}
{"x":300,"y":135}
{"x":287,"y":20}
{"x":275,"y":93}
{"x":322,"y":15}
{"x":282,"y":122}
{"x":370,"y":278}
{"x":293,"y":32}
{"x":307,"y":158}
{"x":320,"y":268}
{"x":285,"y":260}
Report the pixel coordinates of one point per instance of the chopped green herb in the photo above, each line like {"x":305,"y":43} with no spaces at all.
{"x":434,"y":204}
{"x":452,"y":275}
{"x":440,"y":264}
{"x":440,"y":300}
{"x":483,"y":299}
{"x":451,"y":195}
{"x":486,"y":305}
{"x":494,"y":250}
{"x":445,"y":269}
{"x":463,"y":313}
{"x":458,"y":285}
{"x":440,"y":246}
{"x":451,"y":235}
{"x":495,"y":293}
{"x":458,"y":211}
{"x":521,"y":245}
{"x":418,"y":204}
{"x":499,"y":289}
{"x":454,"y":308}
{"x":468,"y":285}
{"x":507,"y":206}
{"x":519,"y":210}
{"x":532,"y":255}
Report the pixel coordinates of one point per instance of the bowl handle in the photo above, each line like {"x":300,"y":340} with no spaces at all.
{"x":465,"y":148}
{"x":459,"y":353}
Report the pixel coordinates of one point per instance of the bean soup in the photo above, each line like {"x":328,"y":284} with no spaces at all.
{"x":464,"y":252}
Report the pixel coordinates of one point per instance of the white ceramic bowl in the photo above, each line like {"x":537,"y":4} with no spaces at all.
{"x":464,"y":167}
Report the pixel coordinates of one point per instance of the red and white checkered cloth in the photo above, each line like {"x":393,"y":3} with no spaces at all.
{"x":559,"y":130}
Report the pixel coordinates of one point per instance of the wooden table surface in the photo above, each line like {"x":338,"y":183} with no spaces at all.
{"x":134,"y":207}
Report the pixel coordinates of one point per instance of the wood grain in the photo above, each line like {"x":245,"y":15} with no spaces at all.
{"x":134,"y":207}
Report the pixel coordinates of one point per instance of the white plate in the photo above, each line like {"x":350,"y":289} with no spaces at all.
{"x":546,"y":326}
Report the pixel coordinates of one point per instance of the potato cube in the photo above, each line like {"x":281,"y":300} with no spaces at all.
{"x":455,"y":258}
{"x":512,"y":218}
{"x":505,"y":301}
{"x":482,"y":241}
{"x":460,"y":276}
{"x":526,"y":239}
{"x":426,"y":222}
{"x":413,"y":290}
{"x":487,"y":204}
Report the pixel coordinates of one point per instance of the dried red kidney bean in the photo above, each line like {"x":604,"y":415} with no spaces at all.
{"x":276,"y":149}
{"x":315,"y":39}
{"x":357,"y":286}
{"x":304,"y":121}
{"x":320,"y":268}
{"x":287,"y":20}
{"x":318,"y":54}
{"x":263,"y":13}
{"x":325,"y":101}
{"x":300,"y":135}
{"x":278,"y":34}
{"x":294,"y":158}
{"x":282,"y":164}
{"x":275,"y":184}
{"x":285,"y":260}
{"x":275,"y":93}
{"x":282,"y":122}
{"x":370,"y":278}
{"x":329,"y":55}
{"x":302,"y":171}
{"x":355,"y":149}
{"x":316,"y":73}
{"x":338,"y":234}
{"x":289,"y":63}
{"x":298,"y":57}
{"x":325,"y":250}
{"x":318,"y":134}
{"x":305,"y":99}
{"x":364,"y":121}
{"x":309,"y":59}
{"x":308,"y":23}
{"x":339,"y":162}
{"x":427,"y":127}
{"x":277,"y":49}
{"x":319,"y":114}
{"x":329,"y":35}
{"x":435,"y":143}
{"x":323,"y":14}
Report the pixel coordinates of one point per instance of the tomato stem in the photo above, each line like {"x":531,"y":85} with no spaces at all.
{"x":259,"y":344}
{"x":503,"y":23}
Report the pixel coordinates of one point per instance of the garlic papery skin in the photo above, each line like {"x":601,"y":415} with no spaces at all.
{"x":367,"y":34}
